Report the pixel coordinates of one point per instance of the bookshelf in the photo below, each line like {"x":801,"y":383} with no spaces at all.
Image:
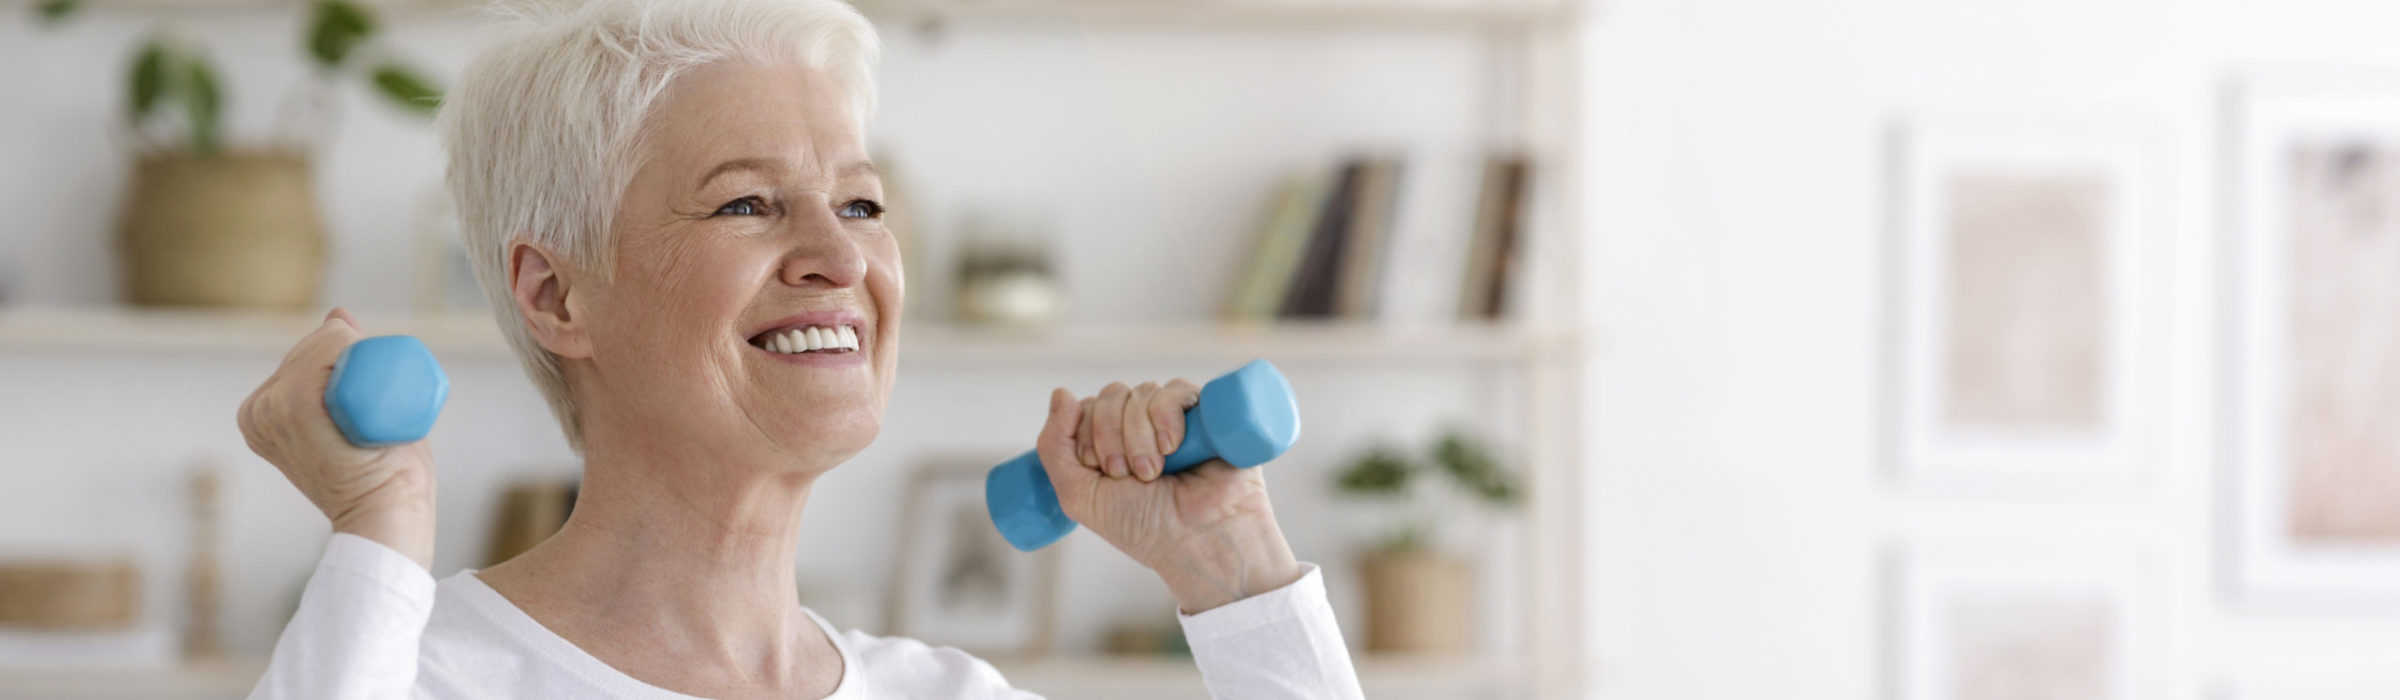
{"x":1528,"y":92}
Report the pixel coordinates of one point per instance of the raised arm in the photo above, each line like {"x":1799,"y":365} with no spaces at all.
{"x":364,"y":610}
{"x":1257,"y":618}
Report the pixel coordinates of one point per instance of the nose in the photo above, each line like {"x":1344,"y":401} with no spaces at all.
{"x":824,"y":253}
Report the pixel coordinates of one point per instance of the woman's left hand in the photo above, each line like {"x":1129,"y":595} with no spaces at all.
{"x":1208,"y":531}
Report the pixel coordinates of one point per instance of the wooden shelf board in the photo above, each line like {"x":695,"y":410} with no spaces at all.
{"x":144,"y":331}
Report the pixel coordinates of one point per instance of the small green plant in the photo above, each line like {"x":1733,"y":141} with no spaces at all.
{"x":1387,"y":475}
{"x":175,"y":88}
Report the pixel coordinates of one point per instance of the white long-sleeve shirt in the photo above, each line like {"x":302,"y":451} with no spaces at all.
{"x":373,"y":624}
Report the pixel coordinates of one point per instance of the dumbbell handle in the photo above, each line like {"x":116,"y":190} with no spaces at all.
{"x":385,"y":391}
{"x":1246,"y":417}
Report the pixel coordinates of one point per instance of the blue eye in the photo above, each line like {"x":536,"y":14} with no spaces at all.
{"x":746,"y":206}
{"x":862,"y":209}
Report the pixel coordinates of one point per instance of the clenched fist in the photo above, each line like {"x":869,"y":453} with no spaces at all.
{"x":1208,"y":531}
{"x":385,"y":494}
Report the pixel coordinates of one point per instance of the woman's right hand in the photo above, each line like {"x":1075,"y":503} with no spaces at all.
{"x":385,"y":494}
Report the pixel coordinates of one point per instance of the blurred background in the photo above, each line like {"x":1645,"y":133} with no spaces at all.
{"x":1647,"y":348}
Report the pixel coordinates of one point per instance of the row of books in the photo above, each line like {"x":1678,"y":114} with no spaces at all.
{"x":1376,"y":239}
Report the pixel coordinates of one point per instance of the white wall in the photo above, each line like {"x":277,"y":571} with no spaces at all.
{"x":1150,"y":151}
{"x":1735,"y":199}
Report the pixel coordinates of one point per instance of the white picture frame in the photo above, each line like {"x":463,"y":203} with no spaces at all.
{"x":1971,"y":619}
{"x":2312,"y":533}
{"x":2006,"y":380}
{"x":959,"y":583}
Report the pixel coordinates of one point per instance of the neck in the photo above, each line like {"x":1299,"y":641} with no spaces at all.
{"x":698,"y":556}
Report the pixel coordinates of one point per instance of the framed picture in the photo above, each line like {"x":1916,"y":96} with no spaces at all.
{"x":1978,"y":621}
{"x":2017,"y":313}
{"x":2314,"y":396}
{"x":959,"y":583}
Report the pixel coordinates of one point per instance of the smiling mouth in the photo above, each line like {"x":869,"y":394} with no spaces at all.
{"x":811,"y":339}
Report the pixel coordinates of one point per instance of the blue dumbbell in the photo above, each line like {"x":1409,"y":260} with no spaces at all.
{"x":386,"y":391}
{"x":1246,"y":418}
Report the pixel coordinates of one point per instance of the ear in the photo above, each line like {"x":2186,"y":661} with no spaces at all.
{"x":543,"y":287}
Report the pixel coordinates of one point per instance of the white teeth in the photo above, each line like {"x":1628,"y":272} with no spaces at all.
{"x":812,"y":338}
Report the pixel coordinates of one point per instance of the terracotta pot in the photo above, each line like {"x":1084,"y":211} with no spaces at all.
{"x":1419,"y":602}
{"x":237,"y":229}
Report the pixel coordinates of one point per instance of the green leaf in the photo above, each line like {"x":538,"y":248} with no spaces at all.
{"x":149,"y":78}
{"x":203,"y":101}
{"x":1475,"y":468}
{"x":55,"y":11}
{"x":1380,"y":472}
{"x":407,"y":89}
{"x":337,"y":28}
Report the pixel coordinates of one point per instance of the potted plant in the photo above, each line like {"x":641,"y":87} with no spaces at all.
{"x":211,"y":224}
{"x":1420,"y":599}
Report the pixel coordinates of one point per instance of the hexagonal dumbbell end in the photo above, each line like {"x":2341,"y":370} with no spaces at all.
{"x":1246,"y":417}
{"x":386,"y":391}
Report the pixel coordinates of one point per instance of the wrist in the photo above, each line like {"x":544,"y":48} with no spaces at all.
{"x":399,"y":515}
{"x":1229,"y":563}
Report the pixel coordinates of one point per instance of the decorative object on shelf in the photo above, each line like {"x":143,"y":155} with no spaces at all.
{"x":531,"y":510}
{"x":2315,"y":255}
{"x":234,"y":228}
{"x":2067,"y":619}
{"x":1420,"y":599}
{"x":204,"y":581}
{"x":207,"y":224}
{"x":69,"y":595}
{"x":2020,"y":323}
{"x":1005,"y":276}
{"x":959,"y":583}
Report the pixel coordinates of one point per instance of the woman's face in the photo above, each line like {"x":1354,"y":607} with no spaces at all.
{"x":756,"y":214}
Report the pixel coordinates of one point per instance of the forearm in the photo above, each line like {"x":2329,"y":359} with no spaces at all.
{"x":1229,"y":562}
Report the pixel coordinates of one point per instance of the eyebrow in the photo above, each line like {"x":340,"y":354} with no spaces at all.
{"x":773,"y":165}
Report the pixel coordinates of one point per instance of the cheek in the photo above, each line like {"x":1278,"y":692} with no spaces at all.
{"x":685,"y":295}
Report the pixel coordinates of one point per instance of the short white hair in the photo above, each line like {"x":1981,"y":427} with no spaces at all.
{"x":544,"y":129}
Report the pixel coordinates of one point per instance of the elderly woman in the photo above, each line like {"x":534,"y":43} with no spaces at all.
{"x":671,"y":208}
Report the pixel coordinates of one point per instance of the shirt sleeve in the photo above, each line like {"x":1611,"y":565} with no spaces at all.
{"x":1278,"y":644}
{"x":355,"y":634}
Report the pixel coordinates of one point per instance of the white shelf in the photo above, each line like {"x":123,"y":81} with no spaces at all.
{"x":1385,"y":14}
{"x":145,"y":331}
{"x":1060,"y":678}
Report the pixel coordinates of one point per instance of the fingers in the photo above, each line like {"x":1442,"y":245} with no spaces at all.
{"x":1056,"y":445}
{"x":326,"y":342}
{"x":1083,"y":435}
{"x":1108,"y":429}
{"x":1141,"y":438}
{"x":1166,"y":412}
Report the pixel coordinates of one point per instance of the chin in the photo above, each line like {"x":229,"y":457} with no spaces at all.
{"x":829,"y":439}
